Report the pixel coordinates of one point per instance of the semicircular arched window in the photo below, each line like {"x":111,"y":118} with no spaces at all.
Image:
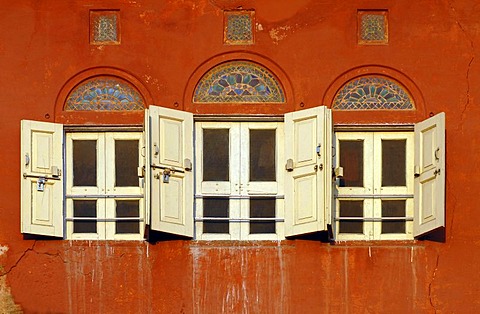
{"x":372,"y":92}
{"x":104,"y":94}
{"x":238,"y":82}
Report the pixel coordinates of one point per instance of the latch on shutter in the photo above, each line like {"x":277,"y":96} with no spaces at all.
{"x":166,"y":175}
{"x":41,"y":184}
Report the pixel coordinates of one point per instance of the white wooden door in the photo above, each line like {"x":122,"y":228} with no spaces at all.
{"x":429,"y":196}
{"x":41,"y":161}
{"x":308,"y":178}
{"x":171,"y":149}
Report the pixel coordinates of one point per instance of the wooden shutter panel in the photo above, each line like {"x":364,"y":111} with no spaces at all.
{"x":308,"y":178}
{"x":41,"y":160}
{"x":171,"y":149}
{"x":429,"y":195}
{"x":147,"y":175}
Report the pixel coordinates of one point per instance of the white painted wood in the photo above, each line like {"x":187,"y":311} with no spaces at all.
{"x":252,"y":189}
{"x":105,"y":193}
{"x":171,"y":142}
{"x":218,"y":188}
{"x":115,"y":192}
{"x":41,"y":149}
{"x":307,"y":185}
{"x":408,"y":137}
{"x":430,"y":179}
{"x":99,"y":188}
{"x":232,"y":186}
{"x":147,"y":185}
{"x":260,"y":187}
{"x":239,"y":189}
{"x":372,"y":172}
{"x":101,"y":225}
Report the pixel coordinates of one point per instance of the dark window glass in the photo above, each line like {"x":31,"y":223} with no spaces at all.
{"x":218,"y":208}
{"x":85,"y":163}
{"x":393,"y":162}
{"x":262,"y":208}
{"x":262,"y":155}
{"x":83,"y":209}
{"x":351,"y":209}
{"x":125,"y":209}
{"x":394,"y":208}
{"x":126,"y":163}
{"x":216,"y":155}
{"x":351,"y":159}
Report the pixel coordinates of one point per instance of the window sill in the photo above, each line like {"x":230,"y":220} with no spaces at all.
{"x":376,"y":243}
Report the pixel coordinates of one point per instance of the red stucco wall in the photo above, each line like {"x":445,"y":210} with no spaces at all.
{"x":311,"y":46}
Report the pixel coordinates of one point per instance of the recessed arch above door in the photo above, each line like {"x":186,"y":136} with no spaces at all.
{"x":375,"y":95}
{"x":102,"y":95}
{"x":239,"y":83}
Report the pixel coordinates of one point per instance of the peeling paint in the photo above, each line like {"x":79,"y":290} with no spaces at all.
{"x":7,"y":304}
{"x":236,"y":277}
{"x":430,"y":296}
{"x":279,"y":33}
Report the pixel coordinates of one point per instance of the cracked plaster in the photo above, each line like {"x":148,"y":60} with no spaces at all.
{"x":472,"y":58}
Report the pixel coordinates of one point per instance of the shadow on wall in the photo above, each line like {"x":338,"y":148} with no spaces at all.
{"x":437,"y":235}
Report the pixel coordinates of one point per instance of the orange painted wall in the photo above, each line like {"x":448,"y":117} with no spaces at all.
{"x":311,"y":45}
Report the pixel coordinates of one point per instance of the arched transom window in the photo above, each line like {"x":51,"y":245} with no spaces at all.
{"x":104,"y":93}
{"x":239,"y":82}
{"x":372,"y":92}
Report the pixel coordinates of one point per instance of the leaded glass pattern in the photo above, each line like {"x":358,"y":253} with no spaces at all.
{"x":104,"y":27}
{"x":239,"y":27}
{"x":372,"y":92}
{"x":238,"y":82}
{"x":373,"y":27}
{"x":104,"y":94}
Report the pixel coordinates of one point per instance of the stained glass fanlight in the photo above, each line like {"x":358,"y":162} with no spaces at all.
{"x":372,"y":92}
{"x":238,"y":82}
{"x":104,"y":94}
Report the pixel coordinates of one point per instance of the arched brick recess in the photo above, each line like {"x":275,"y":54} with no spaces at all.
{"x":239,"y":108}
{"x":376,"y":116}
{"x":100,"y":117}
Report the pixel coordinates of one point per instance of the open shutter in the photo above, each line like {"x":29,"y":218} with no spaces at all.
{"x":429,"y":183}
{"x":42,"y":178}
{"x":171,"y":157}
{"x":147,"y":171}
{"x":308,"y":170}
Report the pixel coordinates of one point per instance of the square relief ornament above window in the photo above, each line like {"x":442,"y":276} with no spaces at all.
{"x":238,"y":27}
{"x":104,"y":27}
{"x":372,"y":27}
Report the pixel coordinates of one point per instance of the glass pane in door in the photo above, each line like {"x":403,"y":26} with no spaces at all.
{"x":262,"y":208}
{"x":127,"y":209}
{"x":85,"y":209}
{"x":351,"y":159}
{"x":85,"y":163}
{"x":216,"y":154}
{"x":126,"y":163}
{"x":216,"y":208}
{"x":394,"y":162}
{"x":262,"y":155}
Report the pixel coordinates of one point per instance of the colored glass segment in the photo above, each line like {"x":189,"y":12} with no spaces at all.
{"x":373,"y":27}
{"x":104,"y":27}
{"x":372,"y":92}
{"x":104,"y":94}
{"x":238,"y":82}
{"x":239,"y":28}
